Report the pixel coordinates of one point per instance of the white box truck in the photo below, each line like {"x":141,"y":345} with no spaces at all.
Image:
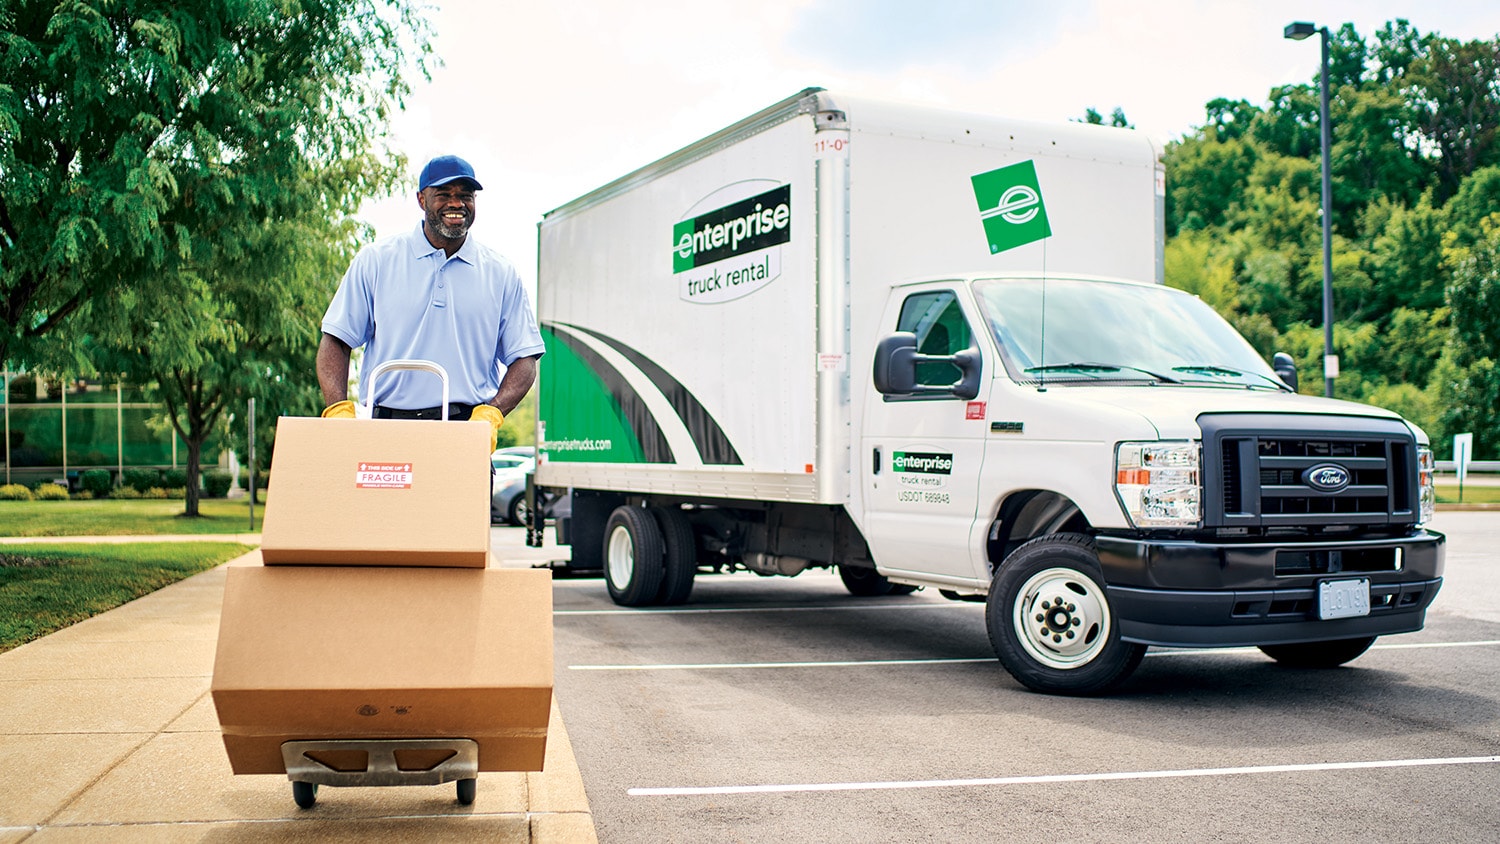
{"x":933,"y":349}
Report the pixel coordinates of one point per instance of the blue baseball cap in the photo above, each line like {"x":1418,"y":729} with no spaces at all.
{"x":444,"y":169}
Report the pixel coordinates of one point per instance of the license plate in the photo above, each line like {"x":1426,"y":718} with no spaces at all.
{"x":1343,"y":598}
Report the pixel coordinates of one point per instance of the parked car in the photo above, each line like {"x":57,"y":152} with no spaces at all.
{"x":509,"y":468}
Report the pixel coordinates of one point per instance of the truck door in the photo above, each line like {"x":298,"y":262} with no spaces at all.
{"x":921,"y":455}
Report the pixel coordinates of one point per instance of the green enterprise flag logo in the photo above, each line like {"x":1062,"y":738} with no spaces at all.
{"x":1010,"y":206}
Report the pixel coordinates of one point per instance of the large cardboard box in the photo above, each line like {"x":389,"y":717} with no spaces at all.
{"x":313,"y":652}
{"x":378,"y":492}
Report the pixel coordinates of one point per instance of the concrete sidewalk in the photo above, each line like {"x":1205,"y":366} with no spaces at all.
{"x":107,"y":733}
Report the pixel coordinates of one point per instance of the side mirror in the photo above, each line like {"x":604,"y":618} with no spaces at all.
{"x":896,"y":364}
{"x":968,"y":362}
{"x":1286,"y":369}
{"x":896,"y":360}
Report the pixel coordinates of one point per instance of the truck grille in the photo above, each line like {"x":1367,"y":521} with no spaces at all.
{"x":1327,"y":471}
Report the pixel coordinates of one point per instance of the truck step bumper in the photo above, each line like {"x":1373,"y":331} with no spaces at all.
{"x":1180,"y":618}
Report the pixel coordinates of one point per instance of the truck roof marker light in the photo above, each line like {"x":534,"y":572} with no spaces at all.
{"x":808,"y":469}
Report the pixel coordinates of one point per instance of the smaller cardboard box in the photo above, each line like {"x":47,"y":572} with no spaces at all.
{"x":383,"y":492}
{"x":315,"y":653}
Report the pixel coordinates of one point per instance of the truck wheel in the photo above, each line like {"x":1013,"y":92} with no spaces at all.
{"x":1318,"y":654}
{"x":869,"y":583}
{"x":632,"y":556}
{"x":680,"y":555}
{"x":1050,"y":621}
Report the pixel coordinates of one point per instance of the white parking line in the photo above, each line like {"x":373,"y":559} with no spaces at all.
{"x":857,"y":663}
{"x":1056,"y":778}
{"x":711,"y":610}
{"x":690,"y":666}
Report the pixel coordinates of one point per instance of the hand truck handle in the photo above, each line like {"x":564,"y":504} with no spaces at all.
{"x":405,"y":364}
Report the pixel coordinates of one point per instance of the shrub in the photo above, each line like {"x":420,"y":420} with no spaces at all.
{"x":83,"y":495}
{"x":51,"y":492}
{"x":216,"y":483}
{"x":140,"y":479}
{"x":177,"y":492}
{"x":126,"y":493}
{"x":95,"y":481}
{"x":15,"y":492}
{"x":174,"y":478}
{"x":155,"y":492}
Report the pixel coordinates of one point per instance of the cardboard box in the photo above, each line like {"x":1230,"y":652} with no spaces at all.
{"x":313,"y":652}
{"x":378,"y":492}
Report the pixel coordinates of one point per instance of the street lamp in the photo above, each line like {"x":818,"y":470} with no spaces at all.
{"x":1297,"y":32}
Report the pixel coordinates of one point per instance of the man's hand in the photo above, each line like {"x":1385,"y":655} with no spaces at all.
{"x":491,"y":415}
{"x":342,"y":410}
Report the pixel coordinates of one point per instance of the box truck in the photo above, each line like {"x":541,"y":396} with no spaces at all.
{"x":934,"y":350}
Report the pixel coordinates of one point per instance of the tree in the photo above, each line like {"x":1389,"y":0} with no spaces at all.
{"x":1454,"y":88}
{"x":142,"y":140}
{"x":1472,"y":393}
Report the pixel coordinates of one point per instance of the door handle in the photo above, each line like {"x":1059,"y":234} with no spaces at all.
{"x":877,"y":461}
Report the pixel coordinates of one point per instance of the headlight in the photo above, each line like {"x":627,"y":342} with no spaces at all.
{"x":1426,"y":484}
{"x":1158,"y":483}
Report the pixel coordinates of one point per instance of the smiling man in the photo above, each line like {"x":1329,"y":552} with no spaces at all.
{"x":434,"y":294}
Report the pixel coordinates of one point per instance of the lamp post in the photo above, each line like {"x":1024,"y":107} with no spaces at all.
{"x":1297,"y":32}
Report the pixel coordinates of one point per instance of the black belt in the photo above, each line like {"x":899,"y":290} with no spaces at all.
{"x":457,"y":411}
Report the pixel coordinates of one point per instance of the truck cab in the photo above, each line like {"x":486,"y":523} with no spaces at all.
{"x":1113,"y":467}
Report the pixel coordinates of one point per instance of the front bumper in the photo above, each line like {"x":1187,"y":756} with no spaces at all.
{"x":1196,"y":594}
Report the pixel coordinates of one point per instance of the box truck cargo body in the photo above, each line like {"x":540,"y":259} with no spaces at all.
{"x":933,"y":349}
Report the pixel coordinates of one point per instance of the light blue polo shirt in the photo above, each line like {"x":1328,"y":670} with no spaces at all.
{"x":404,"y":298}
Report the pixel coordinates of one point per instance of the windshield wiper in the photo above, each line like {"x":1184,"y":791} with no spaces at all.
{"x":1216,"y":369}
{"x":1084,"y":366}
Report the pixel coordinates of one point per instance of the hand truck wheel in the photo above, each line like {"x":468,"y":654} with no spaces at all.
{"x":305,"y":793}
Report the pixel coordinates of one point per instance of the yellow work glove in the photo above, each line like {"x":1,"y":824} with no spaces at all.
{"x":342,"y":410}
{"x":490,"y":415}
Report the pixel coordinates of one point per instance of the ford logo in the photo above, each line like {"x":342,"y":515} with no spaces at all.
{"x":1327,"y":477}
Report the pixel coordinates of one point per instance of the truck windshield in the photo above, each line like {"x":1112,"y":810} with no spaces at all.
{"x":1099,"y":330}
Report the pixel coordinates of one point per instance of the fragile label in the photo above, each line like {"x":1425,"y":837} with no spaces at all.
{"x":383,"y":476}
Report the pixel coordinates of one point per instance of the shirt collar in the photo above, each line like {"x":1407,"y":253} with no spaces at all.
{"x":421,"y":247}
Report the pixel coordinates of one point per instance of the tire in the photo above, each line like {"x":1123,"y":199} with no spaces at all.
{"x":518,"y":512}
{"x":1329,"y":654}
{"x":869,"y":583}
{"x":632,"y":556}
{"x":679,"y":557}
{"x":466,"y":791}
{"x":305,"y":794}
{"x":1050,"y":621}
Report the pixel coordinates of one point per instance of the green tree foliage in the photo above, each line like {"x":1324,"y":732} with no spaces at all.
{"x":140,"y":139}
{"x":177,"y":182}
{"x":1415,"y":166}
{"x":1471,"y":396}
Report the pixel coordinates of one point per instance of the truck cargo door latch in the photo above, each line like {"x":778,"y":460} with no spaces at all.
{"x":877,"y":460}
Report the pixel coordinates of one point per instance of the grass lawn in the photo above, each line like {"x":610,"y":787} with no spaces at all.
{"x":141,"y":517}
{"x":44,"y":588}
{"x":1473,"y":494}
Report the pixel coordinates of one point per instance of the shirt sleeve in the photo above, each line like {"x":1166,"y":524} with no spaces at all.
{"x":519,"y":337}
{"x":351,"y":314}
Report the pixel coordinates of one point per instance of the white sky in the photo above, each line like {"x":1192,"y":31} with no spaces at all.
{"x":549,"y":99}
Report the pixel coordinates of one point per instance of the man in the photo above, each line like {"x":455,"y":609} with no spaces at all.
{"x":433,"y":294}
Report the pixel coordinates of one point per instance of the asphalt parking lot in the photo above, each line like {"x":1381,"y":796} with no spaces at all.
{"x":774,"y":709}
